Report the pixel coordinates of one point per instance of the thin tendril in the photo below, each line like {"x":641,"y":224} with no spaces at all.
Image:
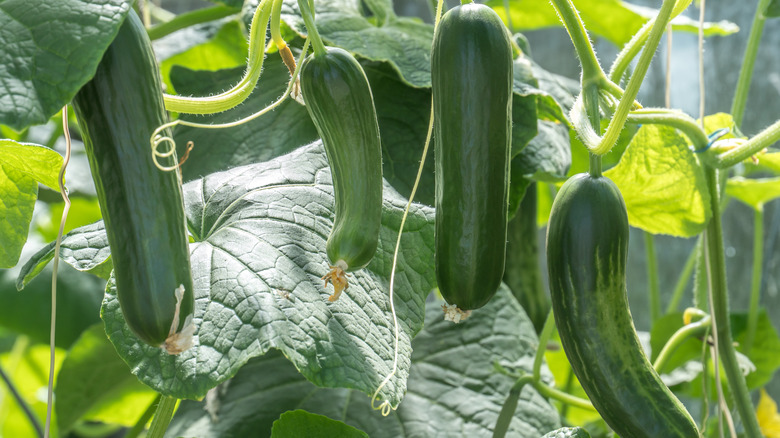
{"x":159,"y":139}
{"x":386,"y":407}
{"x":55,"y":264}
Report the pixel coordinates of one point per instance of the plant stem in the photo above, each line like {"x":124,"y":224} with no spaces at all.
{"x":509,"y":407}
{"x":759,"y":142}
{"x":162,"y":417}
{"x":31,"y":417}
{"x":682,"y":281}
{"x":591,"y":70}
{"x":748,"y":62}
{"x":720,"y":305}
{"x":563,"y":397}
{"x":683,"y":333}
{"x":191,"y":18}
{"x":590,"y":96}
{"x":674,"y":118}
{"x":755,"y":289}
{"x":544,"y":338}
{"x":307,"y":11}
{"x":140,"y":425}
{"x":632,"y":48}
{"x":653,"y":289}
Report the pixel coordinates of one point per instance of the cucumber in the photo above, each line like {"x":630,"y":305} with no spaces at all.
{"x":339,"y":101}
{"x":587,"y":247}
{"x":471,"y":80}
{"x":142,"y":206}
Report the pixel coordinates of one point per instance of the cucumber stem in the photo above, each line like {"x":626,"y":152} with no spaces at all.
{"x":188,"y":19}
{"x":591,"y":70}
{"x":162,"y":417}
{"x":678,"y":338}
{"x":509,"y":407}
{"x":307,"y":12}
{"x":759,"y":142}
{"x":682,"y":281}
{"x":544,"y":337}
{"x":748,"y":62}
{"x":653,"y":289}
{"x":720,"y":304}
{"x":755,"y":289}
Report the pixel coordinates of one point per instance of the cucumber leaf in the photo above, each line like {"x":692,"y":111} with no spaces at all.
{"x":662,"y":183}
{"x":773,"y":9}
{"x":770,"y":161}
{"x":302,"y":423}
{"x":95,"y":383}
{"x":568,"y":432}
{"x":453,"y":387}
{"x":22,"y":167}
{"x":754,"y":192}
{"x":48,"y":50}
{"x":258,"y":254}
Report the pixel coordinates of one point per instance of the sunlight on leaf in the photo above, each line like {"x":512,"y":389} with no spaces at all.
{"x":754,"y":192}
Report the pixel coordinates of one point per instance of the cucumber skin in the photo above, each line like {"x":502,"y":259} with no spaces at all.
{"x":339,"y":101}
{"x":471,"y":80}
{"x":142,"y":206}
{"x":587,"y":249}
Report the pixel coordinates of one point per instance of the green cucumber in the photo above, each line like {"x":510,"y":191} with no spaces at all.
{"x":587,"y":248}
{"x":142,"y":206}
{"x":339,"y":101}
{"x":471,"y":79}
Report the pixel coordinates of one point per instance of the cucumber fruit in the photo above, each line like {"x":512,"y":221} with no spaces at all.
{"x":471,"y":80}
{"x":587,"y":248}
{"x":142,"y":206}
{"x":339,"y":101}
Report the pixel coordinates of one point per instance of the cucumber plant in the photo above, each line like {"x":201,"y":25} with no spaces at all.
{"x":142,"y":206}
{"x":471,"y":82}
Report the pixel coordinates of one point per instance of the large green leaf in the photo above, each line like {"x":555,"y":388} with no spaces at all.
{"x":770,"y":161}
{"x":662,"y":183}
{"x":257,"y":259}
{"x":22,"y":167}
{"x":48,"y":50}
{"x":773,"y":9}
{"x":754,"y":192}
{"x":454,"y":390}
{"x":615,"y":20}
{"x":92,"y":378}
{"x":300,"y":423}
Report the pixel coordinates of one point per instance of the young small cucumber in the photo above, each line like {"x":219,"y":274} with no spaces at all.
{"x":587,"y":247}
{"x":339,"y":100}
{"x":142,"y":207}
{"x":471,"y":79}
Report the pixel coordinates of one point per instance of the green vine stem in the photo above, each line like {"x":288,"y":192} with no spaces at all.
{"x":140,"y":425}
{"x":716,"y":271}
{"x":544,"y":338}
{"x":748,"y":62}
{"x":674,"y":118}
{"x":601,"y":145}
{"x":682,"y":281}
{"x":632,"y":48}
{"x":653,"y":290}
{"x":162,"y":417}
{"x":242,"y":90}
{"x":698,"y":328}
{"x":188,"y":19}
{"x":509,"y":407}
{"x":31,"y":417}
{"x":755,"y":287}
{"x":762,"y":140}
{"x":307,"y":11}
{"x":591,"y":70}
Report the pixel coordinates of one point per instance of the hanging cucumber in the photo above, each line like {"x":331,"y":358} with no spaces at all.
{"x":471,"y":79}
{"x":142,"y":206}
{"x":339,"y":101}
{"x":587,"y":247}
{"x":523,"y":274}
